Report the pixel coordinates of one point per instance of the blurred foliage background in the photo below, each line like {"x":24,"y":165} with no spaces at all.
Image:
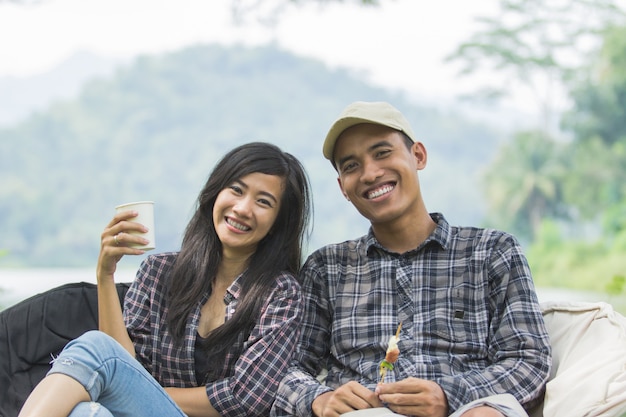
{"x":154,"y":128}
{"x":560,"y":186}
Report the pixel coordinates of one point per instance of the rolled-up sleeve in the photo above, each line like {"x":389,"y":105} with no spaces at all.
{"x":142,"y":302}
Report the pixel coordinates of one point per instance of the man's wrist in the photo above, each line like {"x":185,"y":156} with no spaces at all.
{"x":319,"y":403}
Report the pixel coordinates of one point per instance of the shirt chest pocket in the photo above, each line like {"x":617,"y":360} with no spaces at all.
{"x":459,"y":323}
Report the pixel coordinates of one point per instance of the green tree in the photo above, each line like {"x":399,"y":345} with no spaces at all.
{"x":269,"y":12}
{"x":600,"y":98}
{"x":596,"y":180}
{"x":523,"y":183}
{"x":594,"y":188}
{"x":536,"y":45}
{"x":598,"y":124}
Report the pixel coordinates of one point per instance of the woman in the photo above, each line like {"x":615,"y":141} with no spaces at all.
{"x":215,"y":323}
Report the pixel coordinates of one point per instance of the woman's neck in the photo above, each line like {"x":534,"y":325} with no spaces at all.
{"x":229,"y":269}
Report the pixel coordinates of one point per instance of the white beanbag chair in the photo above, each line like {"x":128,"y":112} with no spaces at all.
{"x":588,"y":377}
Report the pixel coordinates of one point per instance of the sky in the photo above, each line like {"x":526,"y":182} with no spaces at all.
{"x":401,"y":44}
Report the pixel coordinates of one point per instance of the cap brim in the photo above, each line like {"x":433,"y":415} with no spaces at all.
{"x":336,"y":130}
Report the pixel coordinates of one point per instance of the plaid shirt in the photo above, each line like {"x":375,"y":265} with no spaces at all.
{"x":470,"y":318}
{"x":245,"y":384}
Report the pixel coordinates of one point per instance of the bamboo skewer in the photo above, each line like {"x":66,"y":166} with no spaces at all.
{"x":391,"y":355}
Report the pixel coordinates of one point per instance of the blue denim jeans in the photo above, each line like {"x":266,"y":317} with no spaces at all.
{"x":117,"y":383}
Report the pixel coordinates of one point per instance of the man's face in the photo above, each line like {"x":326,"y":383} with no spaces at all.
{"x":378,"y":173}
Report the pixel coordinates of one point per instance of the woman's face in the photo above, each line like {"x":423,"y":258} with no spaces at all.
{"x":245,"y":212}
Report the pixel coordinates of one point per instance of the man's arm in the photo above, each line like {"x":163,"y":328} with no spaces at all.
{"x":517,"y":351}
{"x":300,"y":386}
{"x":518,"y":347}
{"x":301,"y":393}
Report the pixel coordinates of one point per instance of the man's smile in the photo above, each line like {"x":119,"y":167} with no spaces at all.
{"x":377,"y":192}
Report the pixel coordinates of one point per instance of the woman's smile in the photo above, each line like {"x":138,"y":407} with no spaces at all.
{"x":245,"y":211}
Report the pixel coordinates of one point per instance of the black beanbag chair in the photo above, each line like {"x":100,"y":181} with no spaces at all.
{"x":35,"y":330}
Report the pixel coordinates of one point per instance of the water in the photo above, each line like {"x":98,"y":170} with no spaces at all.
{"x":19,"y":284}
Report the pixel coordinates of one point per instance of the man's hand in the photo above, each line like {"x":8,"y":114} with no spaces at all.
{"x":349,"y":397}
{"x":414,"y":397}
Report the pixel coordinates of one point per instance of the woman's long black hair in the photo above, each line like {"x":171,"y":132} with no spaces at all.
{"x":201,"y":251}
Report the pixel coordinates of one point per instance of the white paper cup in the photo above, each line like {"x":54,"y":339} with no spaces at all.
{"x":145,"y":216}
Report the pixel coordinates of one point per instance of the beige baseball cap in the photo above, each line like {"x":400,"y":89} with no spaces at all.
{"x":378,"y":112}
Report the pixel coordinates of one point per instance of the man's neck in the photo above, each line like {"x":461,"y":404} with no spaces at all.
{"x":406,"y":234}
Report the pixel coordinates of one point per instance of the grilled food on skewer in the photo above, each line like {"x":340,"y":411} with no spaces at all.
{"x":391,"y":356}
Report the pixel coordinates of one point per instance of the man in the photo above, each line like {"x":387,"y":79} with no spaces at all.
{"x":472,"y":340}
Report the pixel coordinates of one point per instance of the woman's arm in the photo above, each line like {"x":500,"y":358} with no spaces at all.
{"x":114,"y":241}
{"x":193,"y":401}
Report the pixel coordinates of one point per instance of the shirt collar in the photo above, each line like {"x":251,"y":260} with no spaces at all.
{"x":233,"y":291}
{"x":441,"y":236}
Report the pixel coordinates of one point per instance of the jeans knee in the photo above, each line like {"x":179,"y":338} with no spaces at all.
{"x":84,"y":359}
{"x":94,"y":343}
{"x":90,"y":409}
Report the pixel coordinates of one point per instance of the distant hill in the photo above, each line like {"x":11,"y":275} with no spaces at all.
{"x":153,"y":129}
{"x":20,"y":96}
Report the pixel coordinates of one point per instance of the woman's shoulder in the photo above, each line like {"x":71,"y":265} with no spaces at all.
{"x":163,"y":259}
{"x":156,"y":266}
{"x":286,"y":281}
